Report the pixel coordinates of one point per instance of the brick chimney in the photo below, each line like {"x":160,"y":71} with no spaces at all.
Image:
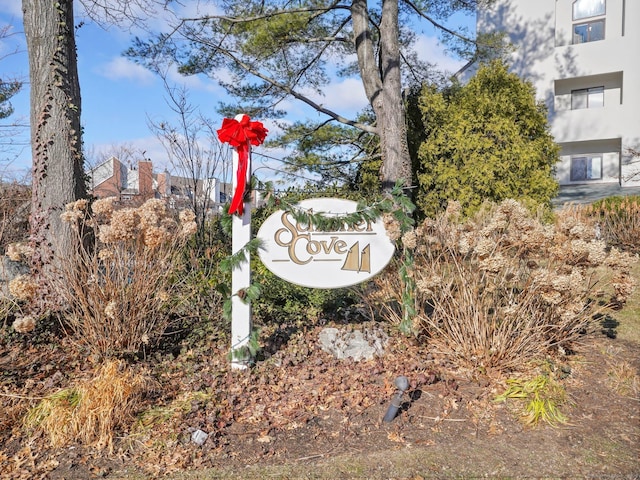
{"x":145,"y":179}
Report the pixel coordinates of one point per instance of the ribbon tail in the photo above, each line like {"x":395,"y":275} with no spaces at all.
{"x":237,"y":202}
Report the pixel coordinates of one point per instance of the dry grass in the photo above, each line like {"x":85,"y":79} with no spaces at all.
{"x":92,"y":411}
{"x":629,"y":317}
{"x":618,"y":219}
{"x":623,"y":379}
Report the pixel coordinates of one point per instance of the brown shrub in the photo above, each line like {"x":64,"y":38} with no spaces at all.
{"x":119,"y":287}
{"x":617,"y":220}
{"x":503,"y":287}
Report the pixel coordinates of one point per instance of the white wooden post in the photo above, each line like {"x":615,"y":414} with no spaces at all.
{"x":241,"y":276}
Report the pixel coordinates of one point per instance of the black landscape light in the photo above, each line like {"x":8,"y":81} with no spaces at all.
{"x":401,"y":383}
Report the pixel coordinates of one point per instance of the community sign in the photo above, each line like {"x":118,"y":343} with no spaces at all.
{"x":301,"y":254}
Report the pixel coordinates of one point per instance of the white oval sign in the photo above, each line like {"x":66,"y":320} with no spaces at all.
{"x":301,"y":254}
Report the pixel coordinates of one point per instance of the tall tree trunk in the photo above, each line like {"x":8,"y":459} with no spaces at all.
{"x":383,"y":86}
{"x":56,"y":144}
{"x":396,"y":164}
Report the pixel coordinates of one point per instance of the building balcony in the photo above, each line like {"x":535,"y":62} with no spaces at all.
{"x":591,"y":124}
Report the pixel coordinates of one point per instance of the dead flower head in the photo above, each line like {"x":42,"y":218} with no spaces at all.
{"x":105,"y":254}
{"x":392,"y":226}
{"x":188,"y":229}
{"x":410,"y":239}
{"x":23,"y":287}
{"x":18,"y":251}
{"x":187,"y":216}
{"x":24,"y":324}
{"x":71,"y":216}
{"x":103,"y":206}
{"x":111,"y":309}
{"x":124,"y":224}
{"x":152,"y":212}
{"x":80,"y":205}
{"x":156,"y":236}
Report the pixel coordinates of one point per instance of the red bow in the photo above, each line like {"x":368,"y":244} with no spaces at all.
{"x":240,"y":135}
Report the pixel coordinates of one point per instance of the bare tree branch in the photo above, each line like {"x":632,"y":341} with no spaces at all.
{"x":267,"y":15}
{"x":436,"y":24}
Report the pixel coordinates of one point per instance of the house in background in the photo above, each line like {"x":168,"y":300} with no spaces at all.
{"x":582,"y":56}
{"x":114,"y":179}
{"x":137,"y":184}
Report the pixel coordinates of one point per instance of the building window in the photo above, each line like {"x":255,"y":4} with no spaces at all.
{"x":588,"y":8}
{"x":588,"y":32}
{"x":587,"y":98}
{"x":593,"y":29}
{"x":586,"y":167}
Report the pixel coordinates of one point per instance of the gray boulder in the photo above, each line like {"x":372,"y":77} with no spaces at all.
{"x":359,"y":345}
{"x":9,"y":270}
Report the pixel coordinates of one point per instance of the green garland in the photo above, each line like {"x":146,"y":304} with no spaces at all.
{"x":399,"y":205}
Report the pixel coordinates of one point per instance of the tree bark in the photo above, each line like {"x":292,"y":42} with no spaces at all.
{"x":396,"y":164}
{"x":383,"y":86}
{"x":57,"y":171}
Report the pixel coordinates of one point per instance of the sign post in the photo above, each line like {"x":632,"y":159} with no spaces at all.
{"x":241,"y":133}
{"x":240,"y":277}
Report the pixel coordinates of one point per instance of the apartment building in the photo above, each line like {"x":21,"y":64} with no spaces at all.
{"x":138,"y":183}
{"x":112,"y":178}
{"x":583,"y":57}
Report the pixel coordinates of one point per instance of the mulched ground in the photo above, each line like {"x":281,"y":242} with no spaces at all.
{"x":322,"y":418}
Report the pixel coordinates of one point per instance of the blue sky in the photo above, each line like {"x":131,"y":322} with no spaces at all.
{"x":118,"y":96}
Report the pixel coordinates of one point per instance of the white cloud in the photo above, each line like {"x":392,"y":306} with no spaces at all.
{"x":197,"y":9}
{"x":11,"y":8}
{"x":345,"y":97}
{"x":431,"y":50}
{"x":165,"y":19}
{"x":120,"y":68}
{"x":194,"y":82}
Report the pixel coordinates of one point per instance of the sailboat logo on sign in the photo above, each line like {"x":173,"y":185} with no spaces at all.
{"x":302,"y":254}
{"x":358,"y":261}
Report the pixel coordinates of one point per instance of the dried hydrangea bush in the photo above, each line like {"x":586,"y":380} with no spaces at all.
{"x":118,"y":288}
{"x":503,"y":287}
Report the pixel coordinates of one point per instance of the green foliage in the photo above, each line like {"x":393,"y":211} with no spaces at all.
{"x":335,"y":153}
{"x":616,"y":204}
{"x":487,"y":140}
{"x":7,"y":90}
{"x":202,"y":279}
{"x":263,"y":52}
{"x":542,"y":397}
{"x":282,"y":302}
